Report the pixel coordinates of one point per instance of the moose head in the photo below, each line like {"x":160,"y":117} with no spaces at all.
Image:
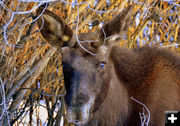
{"x":86,"y":73}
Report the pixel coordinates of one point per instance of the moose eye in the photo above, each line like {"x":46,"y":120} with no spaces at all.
{"x":102,"y":64}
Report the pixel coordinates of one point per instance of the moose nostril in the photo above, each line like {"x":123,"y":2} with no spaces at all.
{"x":76,"y":101}
{"x":82,"y":98}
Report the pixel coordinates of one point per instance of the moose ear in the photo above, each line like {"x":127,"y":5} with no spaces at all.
{"x":55,"y":31}
{"x":117,"y":25}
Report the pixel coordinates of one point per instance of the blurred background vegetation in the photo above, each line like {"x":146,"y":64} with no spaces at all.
{"x":31,"y":78}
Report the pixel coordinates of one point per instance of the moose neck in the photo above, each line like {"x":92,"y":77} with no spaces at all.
{"x":114,"y":109}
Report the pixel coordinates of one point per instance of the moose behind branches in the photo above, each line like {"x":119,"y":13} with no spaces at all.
{"x":101,"y":80}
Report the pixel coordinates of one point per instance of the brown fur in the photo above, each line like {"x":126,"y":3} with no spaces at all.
{"x":147,"y":74}
{"x":150,"y":75}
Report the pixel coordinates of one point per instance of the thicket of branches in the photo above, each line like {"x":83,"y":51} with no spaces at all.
{"x":30,"y":70}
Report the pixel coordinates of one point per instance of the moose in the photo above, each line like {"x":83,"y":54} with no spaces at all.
{"x":102,"y":78}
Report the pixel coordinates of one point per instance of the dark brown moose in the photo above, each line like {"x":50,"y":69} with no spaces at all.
{"x":101,"y":78}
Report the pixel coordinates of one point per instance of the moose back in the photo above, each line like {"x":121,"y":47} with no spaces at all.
{"x":101,"y":78}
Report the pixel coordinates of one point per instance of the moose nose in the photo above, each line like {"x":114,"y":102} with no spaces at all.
{"x":76,"y":101}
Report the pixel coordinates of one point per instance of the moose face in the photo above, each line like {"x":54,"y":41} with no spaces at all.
{"x":86,"y":76}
